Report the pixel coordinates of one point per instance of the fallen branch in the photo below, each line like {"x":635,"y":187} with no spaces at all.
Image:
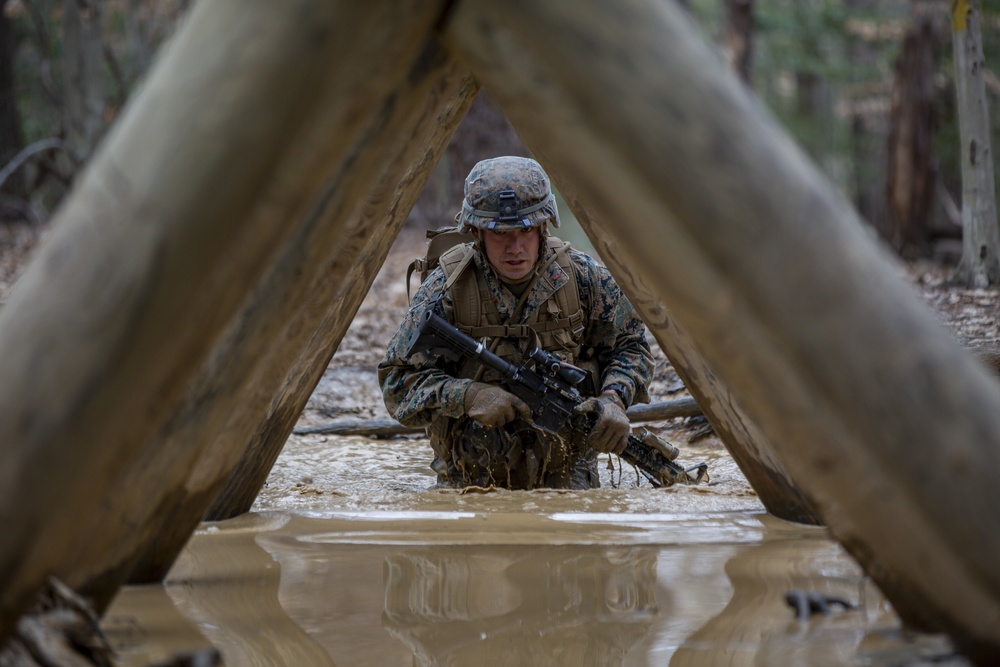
{"x":654,"y":412}
{"x":372,"y":428}
{"x":27,"y":152}
{"x":387,"y":428}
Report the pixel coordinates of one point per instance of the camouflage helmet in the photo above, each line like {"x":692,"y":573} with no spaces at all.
{"x":505,"y":193}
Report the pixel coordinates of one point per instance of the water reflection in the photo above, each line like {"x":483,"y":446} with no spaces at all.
{"x":496,"y":605}
{"x":758,"y":627}
{"x":516,"y":588}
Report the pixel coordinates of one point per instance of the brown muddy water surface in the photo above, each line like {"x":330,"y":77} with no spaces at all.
{"x":377,"y":569}
{"x":350,"y":558}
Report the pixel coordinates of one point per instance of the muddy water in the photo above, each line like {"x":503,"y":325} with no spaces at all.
{"x":349,"y":559}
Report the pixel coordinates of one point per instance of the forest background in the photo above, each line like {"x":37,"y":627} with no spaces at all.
{"x":866,"y":87}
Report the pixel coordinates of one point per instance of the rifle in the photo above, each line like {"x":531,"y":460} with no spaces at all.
{"x":549,"y":386}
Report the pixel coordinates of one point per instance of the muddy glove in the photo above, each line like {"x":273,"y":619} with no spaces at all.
{"x":492,"y":406}
{"x":610,"y":432}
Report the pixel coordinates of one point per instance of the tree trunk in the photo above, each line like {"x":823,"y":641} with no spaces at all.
{"x":241,"y":134}
{"x":868,"y":131}
{"x":766,"y":267}
{"x":980,"y":263}
{"x":739,"y":38}
{"x":814,"y":103}
{"x":10,"y":117}
{"x":83,"y":77}
{"x":911,"y":180}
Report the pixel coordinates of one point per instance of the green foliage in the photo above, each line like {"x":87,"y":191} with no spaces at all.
{"x":820,"y":64}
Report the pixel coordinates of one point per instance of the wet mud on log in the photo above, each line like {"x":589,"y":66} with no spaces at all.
{"x":193,"y":294}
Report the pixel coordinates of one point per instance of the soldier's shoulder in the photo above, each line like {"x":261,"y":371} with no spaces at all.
{"x":590,"y":270}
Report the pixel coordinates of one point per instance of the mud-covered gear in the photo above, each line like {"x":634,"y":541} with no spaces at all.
{"x":611,"y":429}
{"x":475,"y":455}
{"x":549,"y":387}
{"x":492,"y":406}
{"x":506,"y":193}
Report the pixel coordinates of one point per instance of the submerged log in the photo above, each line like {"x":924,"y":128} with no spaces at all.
{"x":387,"y":428}
{"x":863,"y":397}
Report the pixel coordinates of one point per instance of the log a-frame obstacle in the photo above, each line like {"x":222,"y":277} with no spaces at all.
{"x":198,"y":279}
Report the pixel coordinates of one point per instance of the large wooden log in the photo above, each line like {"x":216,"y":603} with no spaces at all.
{"x":339,"y":302}
{"x":442,"y":92}
{"x":299,"y":314}
{"x":233,"y":144}
{"x":778,"y":492}
{"x":866,"y":400}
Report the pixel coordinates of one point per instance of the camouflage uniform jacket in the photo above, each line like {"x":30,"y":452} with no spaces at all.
{"x":421,"y":389}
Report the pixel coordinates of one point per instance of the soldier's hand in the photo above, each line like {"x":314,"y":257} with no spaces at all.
{"x":492,"y":406}
{"x":610,"y":432}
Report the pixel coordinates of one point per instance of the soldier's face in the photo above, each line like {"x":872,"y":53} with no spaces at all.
{"x":512,"y":253}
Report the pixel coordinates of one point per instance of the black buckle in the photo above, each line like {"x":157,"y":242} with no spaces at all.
{"x":507,"y":206}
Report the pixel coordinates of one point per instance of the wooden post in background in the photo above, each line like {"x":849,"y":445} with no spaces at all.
{"x":862,"y":394}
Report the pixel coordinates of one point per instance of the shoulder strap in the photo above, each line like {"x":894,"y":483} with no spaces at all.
{"x":568,"y":296}
{"x":464,"y":293}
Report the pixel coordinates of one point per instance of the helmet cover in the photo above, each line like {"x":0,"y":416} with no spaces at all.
{"x":506,"y":193}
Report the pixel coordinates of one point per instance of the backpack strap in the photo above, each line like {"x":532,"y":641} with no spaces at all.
{"x":568,"y":297}
{"x":465,"y":301}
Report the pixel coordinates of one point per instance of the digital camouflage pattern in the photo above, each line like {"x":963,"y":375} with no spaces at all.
{"x":506,"y":193}
{"x":425,"y":390}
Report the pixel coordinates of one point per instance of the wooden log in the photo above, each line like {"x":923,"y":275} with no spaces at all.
{"x":233,"y":144}
{"x":865,"y":399}
{"x":336,"y":302}
{"x":369,"y":428}
{"x":749,"y":447}
{"x":387,"y":428}
{"x":282,"y":345}
{"x":662,"y":410}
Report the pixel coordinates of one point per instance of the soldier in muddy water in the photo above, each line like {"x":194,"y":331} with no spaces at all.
{"x":512,"y":285}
